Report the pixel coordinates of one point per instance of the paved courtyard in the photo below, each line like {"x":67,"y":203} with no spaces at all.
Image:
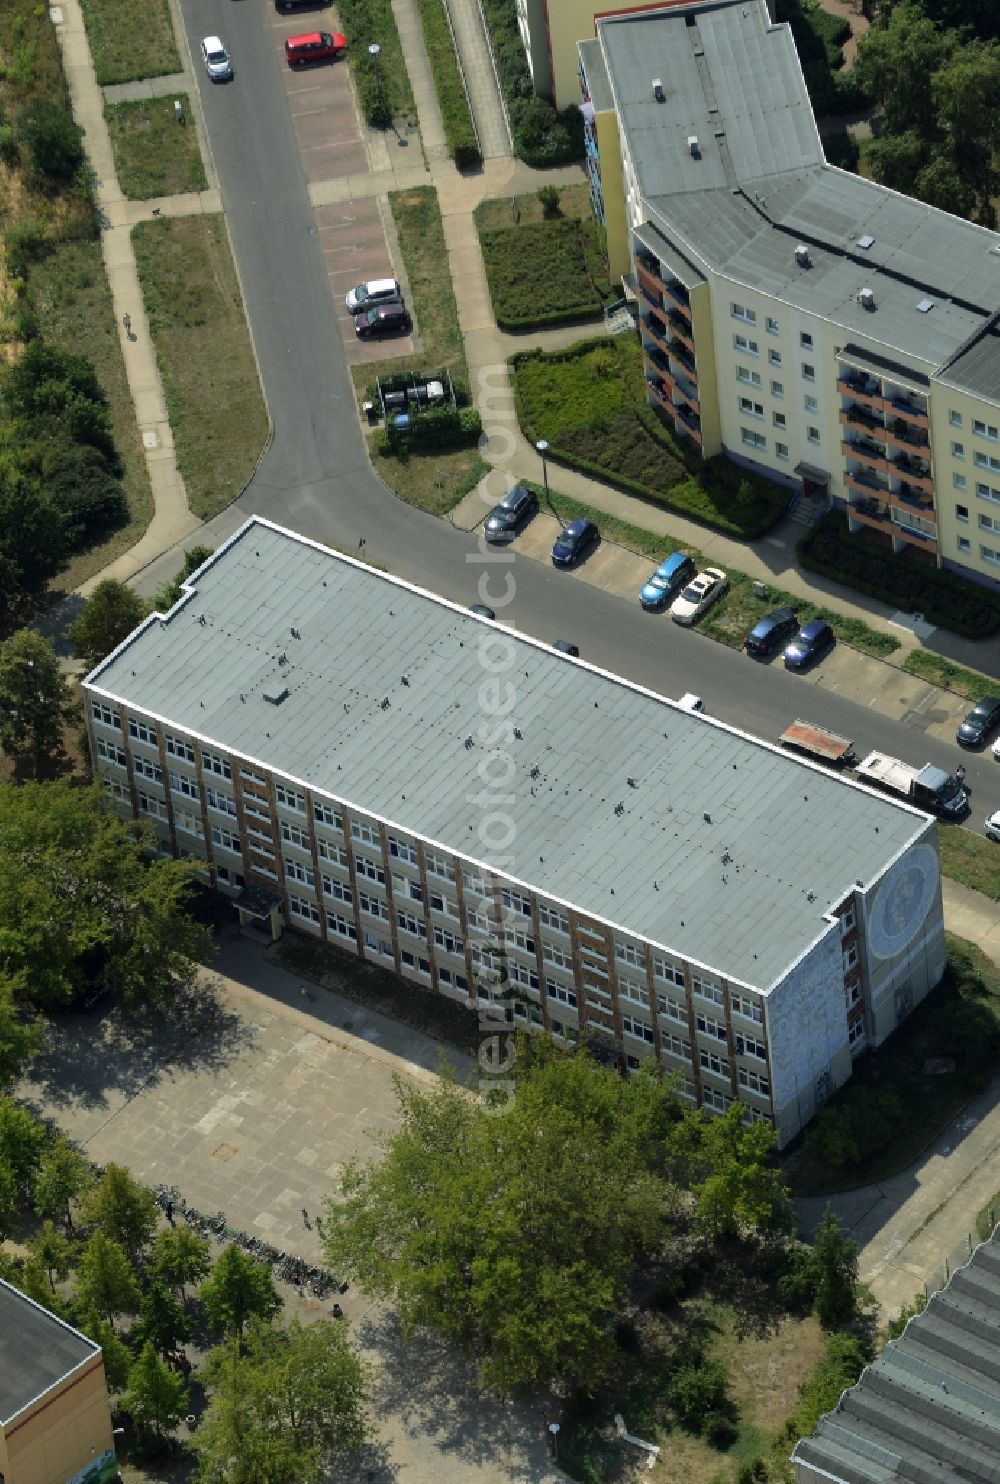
{"x":250,"y":1101}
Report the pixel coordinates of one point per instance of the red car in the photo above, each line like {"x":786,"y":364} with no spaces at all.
{"x":314,"y":46}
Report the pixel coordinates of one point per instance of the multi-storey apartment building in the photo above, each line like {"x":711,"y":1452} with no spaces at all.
{"x":550,"y":30}
{"x":373,"y":765}
{"x":802,"y":320}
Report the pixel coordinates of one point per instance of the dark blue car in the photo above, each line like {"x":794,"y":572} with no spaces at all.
{"x":770,"y":632}
{"x":669,"y":577}
{"x":810,"y":643}
{"x":573,"y":542}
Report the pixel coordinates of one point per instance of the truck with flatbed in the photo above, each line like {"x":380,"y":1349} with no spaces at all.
{"x":926,"y":787}
{"x":818,"y":743}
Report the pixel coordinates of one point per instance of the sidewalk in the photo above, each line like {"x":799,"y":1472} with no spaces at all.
{"x":477,"y":67}
{"x":172,"y":520}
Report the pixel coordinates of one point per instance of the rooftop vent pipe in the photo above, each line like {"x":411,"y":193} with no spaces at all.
{"x":658,"y":92}
{"x":866,"y":299}
{"x":693,"y":145}
{"x":802,"y":255}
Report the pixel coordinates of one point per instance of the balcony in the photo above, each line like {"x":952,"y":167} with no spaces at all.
{"x":684,"y":389}
{"x":656,"y":361}
{"x":912,"y":471}
{"x":656,"y":329}
{"x":660,"y":390}
{"x":681,"y":328}
{"x":905,"y":407}
{"x":866,"y":484}
{"x":649,"y":282}
{"x":906,"y":436}
{"x":678,"y":296}
{"x":908,"y":497}
{"x":864,"y":450}
{"x":856,"y":416}
{"x":682,"y":356}
{"x":863,"y":389}
{"x":687,"y":424}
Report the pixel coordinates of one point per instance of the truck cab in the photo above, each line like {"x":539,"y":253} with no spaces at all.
{"x":939,"y":792}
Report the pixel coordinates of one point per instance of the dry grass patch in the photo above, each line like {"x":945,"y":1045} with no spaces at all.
{"x":130,"y":40}
{"x":152,"y":156}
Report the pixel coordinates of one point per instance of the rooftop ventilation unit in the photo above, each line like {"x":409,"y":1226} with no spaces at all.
{"x":925,"y":306}
{"x":693,"y":145}
{"x":658,"y":92}
{"x":275,"y":697}
{"x":802,"y":255}
{"x":866,"y":241}
{"x":866,"y":298}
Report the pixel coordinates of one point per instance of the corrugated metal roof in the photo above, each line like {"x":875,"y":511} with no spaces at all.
{"x":678,"y":829}
{"x":932,"y":1398}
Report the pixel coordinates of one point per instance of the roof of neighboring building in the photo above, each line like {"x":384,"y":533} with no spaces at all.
{"x":37,"y":1351}
{"x":758,"y":185}
{"x":929,"y":1407}
{"x":977,"y":368}
{"x":678,"y":830}
{"x":596,"y":74}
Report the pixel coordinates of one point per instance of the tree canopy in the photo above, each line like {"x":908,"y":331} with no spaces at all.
{"x":108,"y":616}
{"x":34,"y":701}
{"x":240,"y":1289}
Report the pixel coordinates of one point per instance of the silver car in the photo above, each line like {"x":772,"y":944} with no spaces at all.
{"x":216,"y":59}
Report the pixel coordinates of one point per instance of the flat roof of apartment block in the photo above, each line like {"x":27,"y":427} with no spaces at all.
{"x":37,"y":1351}
{"x":672,"y":827}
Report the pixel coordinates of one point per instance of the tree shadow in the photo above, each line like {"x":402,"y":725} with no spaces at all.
{"x":91,"y":1060}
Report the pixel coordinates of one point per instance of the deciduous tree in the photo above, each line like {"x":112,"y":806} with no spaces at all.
{"x":156,"y":1396}
{"x":51,"y":1249}
{"x":835,"y":1256}
{"x":20,"y":1037}
{"x":164,"y":1322}
{"x":34,"y":701}
{"x":108,"y":616}
{"x":22,"y":1139}
{"x":180,"y":1256}
{"x":740,"y":1184}
{"x":105,"y":1281}
{"x":123,"y":1210}
{"x":63,"y":1176}
{"x":239,"y":1290}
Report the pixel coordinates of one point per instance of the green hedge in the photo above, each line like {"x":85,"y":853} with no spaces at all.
{"x":862,"y":563}
{"x":439,"y":427}
{"x":542,"y":137}
{"x":383,"y":88}
{"x":459,"y":130}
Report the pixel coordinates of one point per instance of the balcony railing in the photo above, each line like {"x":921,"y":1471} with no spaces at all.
{"x":862,"y":387}
{"x":681,"y":328}
{"x":649,"y":281}
{"x":905,"y":435}
{"x":655,"y":357}
{"x":913,"y":411}
{"x":678,"y":295}
{"x":856,"y":416}
{"x":860,"y":479}
{"x":912,"y":471}
{"x":864,"y":448}
{"x":656,"y":328}
{"x":681,"y":354}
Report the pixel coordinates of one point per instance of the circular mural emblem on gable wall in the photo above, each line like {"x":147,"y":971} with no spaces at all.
{"x":902,"y":902}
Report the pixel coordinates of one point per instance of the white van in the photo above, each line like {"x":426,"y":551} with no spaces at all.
{"x":377,"y":291}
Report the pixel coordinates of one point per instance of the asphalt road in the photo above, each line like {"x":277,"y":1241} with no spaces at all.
{"x":315,"y":476}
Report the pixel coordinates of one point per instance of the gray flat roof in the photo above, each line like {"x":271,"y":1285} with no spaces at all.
{"x":929,"y":1406}
{"x":760,"y":185}
{"x":672,"y":827}
{"x":36,"y":1351}
{"x":596,"y":74}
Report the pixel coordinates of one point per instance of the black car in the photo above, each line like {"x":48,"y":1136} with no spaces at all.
{"x":983,"y":719}
{"x":573,"y":542}
{"x":514,"y":510}
{"x":481,"y":610}
{"x":810,"y":643}
{"x":770,"y":632}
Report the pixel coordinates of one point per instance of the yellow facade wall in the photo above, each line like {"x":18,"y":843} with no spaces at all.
{"x":708,"y":387}
{"x":950,"y":466}
{"x":570,"y":21}
{"x":65,"y":1432}
{"x":613,"y":189}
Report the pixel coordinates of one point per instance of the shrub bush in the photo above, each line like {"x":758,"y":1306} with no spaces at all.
{"x":542,"y":137}
{"x":383,"y":87}
{"x":538,"y":274}
{"x":439,"y":427}
{"x":861,"y":563}
{"x":459,"y":129}
{"x":53,"y":139}
{"x":698,"y":1392}
{"x":861,"y":1124}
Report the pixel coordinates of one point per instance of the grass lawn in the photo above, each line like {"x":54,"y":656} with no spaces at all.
{"x":589,"y":401}
{"x":153,"y":157}
{"x":970,"y":859}
{"x":203,"y":349}
{"x":68,"y":289}
{"x":953,"y":677}
{"x":380,"y":989}
{"x":961,"y":1019}
{"x":434,"y":481}
{"x":417,"y":218}
{"x":130,"y":40}
{"x":543,"y":271}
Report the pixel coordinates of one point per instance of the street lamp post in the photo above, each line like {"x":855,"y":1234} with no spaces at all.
{"x":375,"y":51}
{"x":543,"y":448}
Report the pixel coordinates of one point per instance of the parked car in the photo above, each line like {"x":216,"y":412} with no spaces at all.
{"x":375,"y":291}
{"x":669,"y":577}
{"x":314,"y":46}
{"x":699,"y":595}
{"x":810,"y":643}
{"x":993,"y":827}
{"x":573,"y":542}
{"x":983,"y":719}
{"x":514,"y":510}
{"x":564,"y":646}
{"x":216,"y":59}
{"x":690,"y":702}
{"x":482,"y":610}
{"x":770,"y":632}
{"x":300,"y":4}
{"x":383,"y":319}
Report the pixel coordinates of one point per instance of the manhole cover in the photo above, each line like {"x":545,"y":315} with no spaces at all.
{"x":224,"y":1152}
{"x":150,"y":439}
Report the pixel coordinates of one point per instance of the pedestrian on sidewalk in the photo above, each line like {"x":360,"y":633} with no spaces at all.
{"x":127,"y":322}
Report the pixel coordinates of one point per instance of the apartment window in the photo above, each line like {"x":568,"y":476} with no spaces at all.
{"x":190,"y":824}
{"x":367,"y":833}
{"x":781,"y":450}
{"x":852,"y":994}
{"x":987,"y":492}
{"x":521,"y":974}
{"x":290,"y":798}
{"x":117,"y":791}
{"x":808,"y":371}
{"x":710,"y":1027}
{"x":961,"y":512}
{"x":294,"y":836}
{"x":772,"y":328}
{"x":299,"y":907}
{"x":751,"y":408}
{"x":779,"y":419}
{"x":336,"y":854}
{"x":556,"y":956}
{"x":990,"y":554}
{"x":104,"y":715}
{"x":222,"y":803}
{"x":740,"y":311}
{"x":416,"y":891}
{"x":706,"y":989}
{"x":341,"y":926}
{"x":748,"y":347}
{"x":672,"y":1009}
{"x":638,"y":1029}
{"x":958,"y":450}
{"x":631,"y":989}
{"x":752,"y":438}
{"x":812,"y":434}
{"x":410,"y":924}
{"x":955,"y":418}
{"x":516,"y":938}
{"x":747,"y":1046}
{"x":299,"y":872}
{"x":958,"y":480}
{"x":212,"y":763}
{"x":403,"y":851}
{"x":326,"y":814}
{"x":438,"y":865}
{"x":111,"y":752}
{"x":147,"y":769}
{"x":256,"y":807}
{"x":551,"y":917}
{"x":628,"y":953}
{"x":777,"y":389}
{"x":987,"y":523}
{"x":561,"y":993}
{"x":179,"y":784}
{"x":225,"y":839}
{"x":811,"y":404}
{"x":175,"y":747}
{"x":143,"y":733}
{"x":252,"y":777}
{"x":964,"y":544}
{"x":670,"y":969}
{"x":710,"y":1062}
{"x":856,"y":1032}
{"x":987,"y":461}
{"x":338,"y":890}
{"x":750,"y":378}
{"x":515,"y":902}
{"x":754,"y":1082}
{"x":848,"y":921}
{"x":774,"y":356}
{"x":671,"y":1045}
{"x":985,"y":430}
{"x":474,"y":882}
{"x":374,"y":906}
{"x":748,"y":1008}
